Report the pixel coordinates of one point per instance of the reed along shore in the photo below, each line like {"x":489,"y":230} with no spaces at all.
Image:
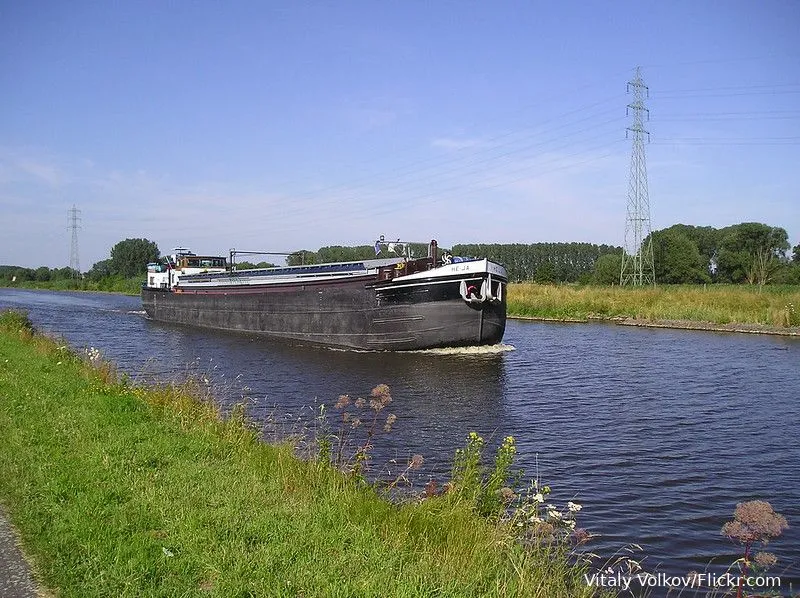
{"x":770,"y":309}
{"x":118,"y":490}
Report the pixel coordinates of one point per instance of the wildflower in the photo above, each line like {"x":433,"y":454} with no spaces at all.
{"x":342,"y":402}
{"x":538,"y":498}
{"x":573,"y":507}
{"x":381,"y":392}
{"x":380,"y":397}
{"x":355,"y":423}
{"x":765,"y":559}
{"x":389,"y":422}
{"x":360,"y":403}
{"x":754,"y":521}
{"x":416,"y":462}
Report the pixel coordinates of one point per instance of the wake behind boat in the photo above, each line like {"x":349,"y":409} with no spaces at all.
{"x":394,"y":303}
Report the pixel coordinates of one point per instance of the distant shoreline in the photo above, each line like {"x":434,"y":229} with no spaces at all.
{"x":673,"y":324}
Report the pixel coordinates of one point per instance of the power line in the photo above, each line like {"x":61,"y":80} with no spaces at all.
{"x":468,"y":168}
{"x":488,"y":145}
{"x":729,"y":88}
{"x":681,"y":96}
{"x":701,"y":142}
{"x":370,"y":209}
{"x":737,"y":60}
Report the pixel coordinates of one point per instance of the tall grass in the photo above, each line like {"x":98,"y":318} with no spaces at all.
{"x":126,"y":491}
{"x":777,"y":306}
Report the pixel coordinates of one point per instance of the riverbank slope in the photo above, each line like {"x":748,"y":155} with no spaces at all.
{"x":127,"y":491}
{"x":774,"y":309}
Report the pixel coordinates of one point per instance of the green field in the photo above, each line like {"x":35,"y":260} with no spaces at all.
{"x":124,"y":491}
{"x":769,"y":306}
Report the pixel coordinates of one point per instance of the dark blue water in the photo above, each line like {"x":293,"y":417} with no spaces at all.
{"x":657,"y":433}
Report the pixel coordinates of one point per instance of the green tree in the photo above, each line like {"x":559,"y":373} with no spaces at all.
{"x":545,"y":273}
{"x":570,"y":261}
{"x":65,"y":273}
{"x":796,"y":254}
{"x":706,"y":238}
{"x":42,"y":274}
{"x":607,"y":268}
{"x":131,"y":256}
{"x":99,"y":270}
{"x":677,"y":258}
{"x":24,"y":274}
{"x":302,"y":257}
{"x":750,"y":252}
{"x":787,"y":273}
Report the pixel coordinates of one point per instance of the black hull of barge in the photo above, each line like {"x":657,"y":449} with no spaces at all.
{"x":349,"y":314}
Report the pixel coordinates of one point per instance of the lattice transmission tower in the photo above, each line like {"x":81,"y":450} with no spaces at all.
{"x":638,"y":267}
{"x":74,"y":226}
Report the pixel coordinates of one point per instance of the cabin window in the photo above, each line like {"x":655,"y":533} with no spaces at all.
{"x":204,"y":262}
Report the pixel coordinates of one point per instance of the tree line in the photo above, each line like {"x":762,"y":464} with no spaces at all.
{"x":745,"y":253}
{"x":129,"y":259}
{"x":542,"y":262}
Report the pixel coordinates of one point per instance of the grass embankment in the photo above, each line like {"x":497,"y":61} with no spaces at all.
{"x":112,"y":284}
{"x":122,"y":491}
{"x":770,"y":306}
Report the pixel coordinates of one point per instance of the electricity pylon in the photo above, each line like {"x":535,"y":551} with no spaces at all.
{"x":74,"y":260}
{"x":638,"y":268}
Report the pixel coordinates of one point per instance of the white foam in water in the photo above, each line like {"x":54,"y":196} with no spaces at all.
{"x":480,"y":350}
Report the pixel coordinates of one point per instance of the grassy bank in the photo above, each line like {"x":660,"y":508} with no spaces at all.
{"x":121,"y":491}
{"x":111,"y":284}
{"x":773,"y":306}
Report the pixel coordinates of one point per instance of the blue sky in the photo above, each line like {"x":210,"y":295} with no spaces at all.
{"x":286,"y":125}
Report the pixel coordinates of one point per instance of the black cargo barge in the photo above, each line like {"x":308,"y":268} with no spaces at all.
{"x":382,"y":304}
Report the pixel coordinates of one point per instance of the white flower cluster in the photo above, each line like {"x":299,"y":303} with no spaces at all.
{"x":535,"y":511}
